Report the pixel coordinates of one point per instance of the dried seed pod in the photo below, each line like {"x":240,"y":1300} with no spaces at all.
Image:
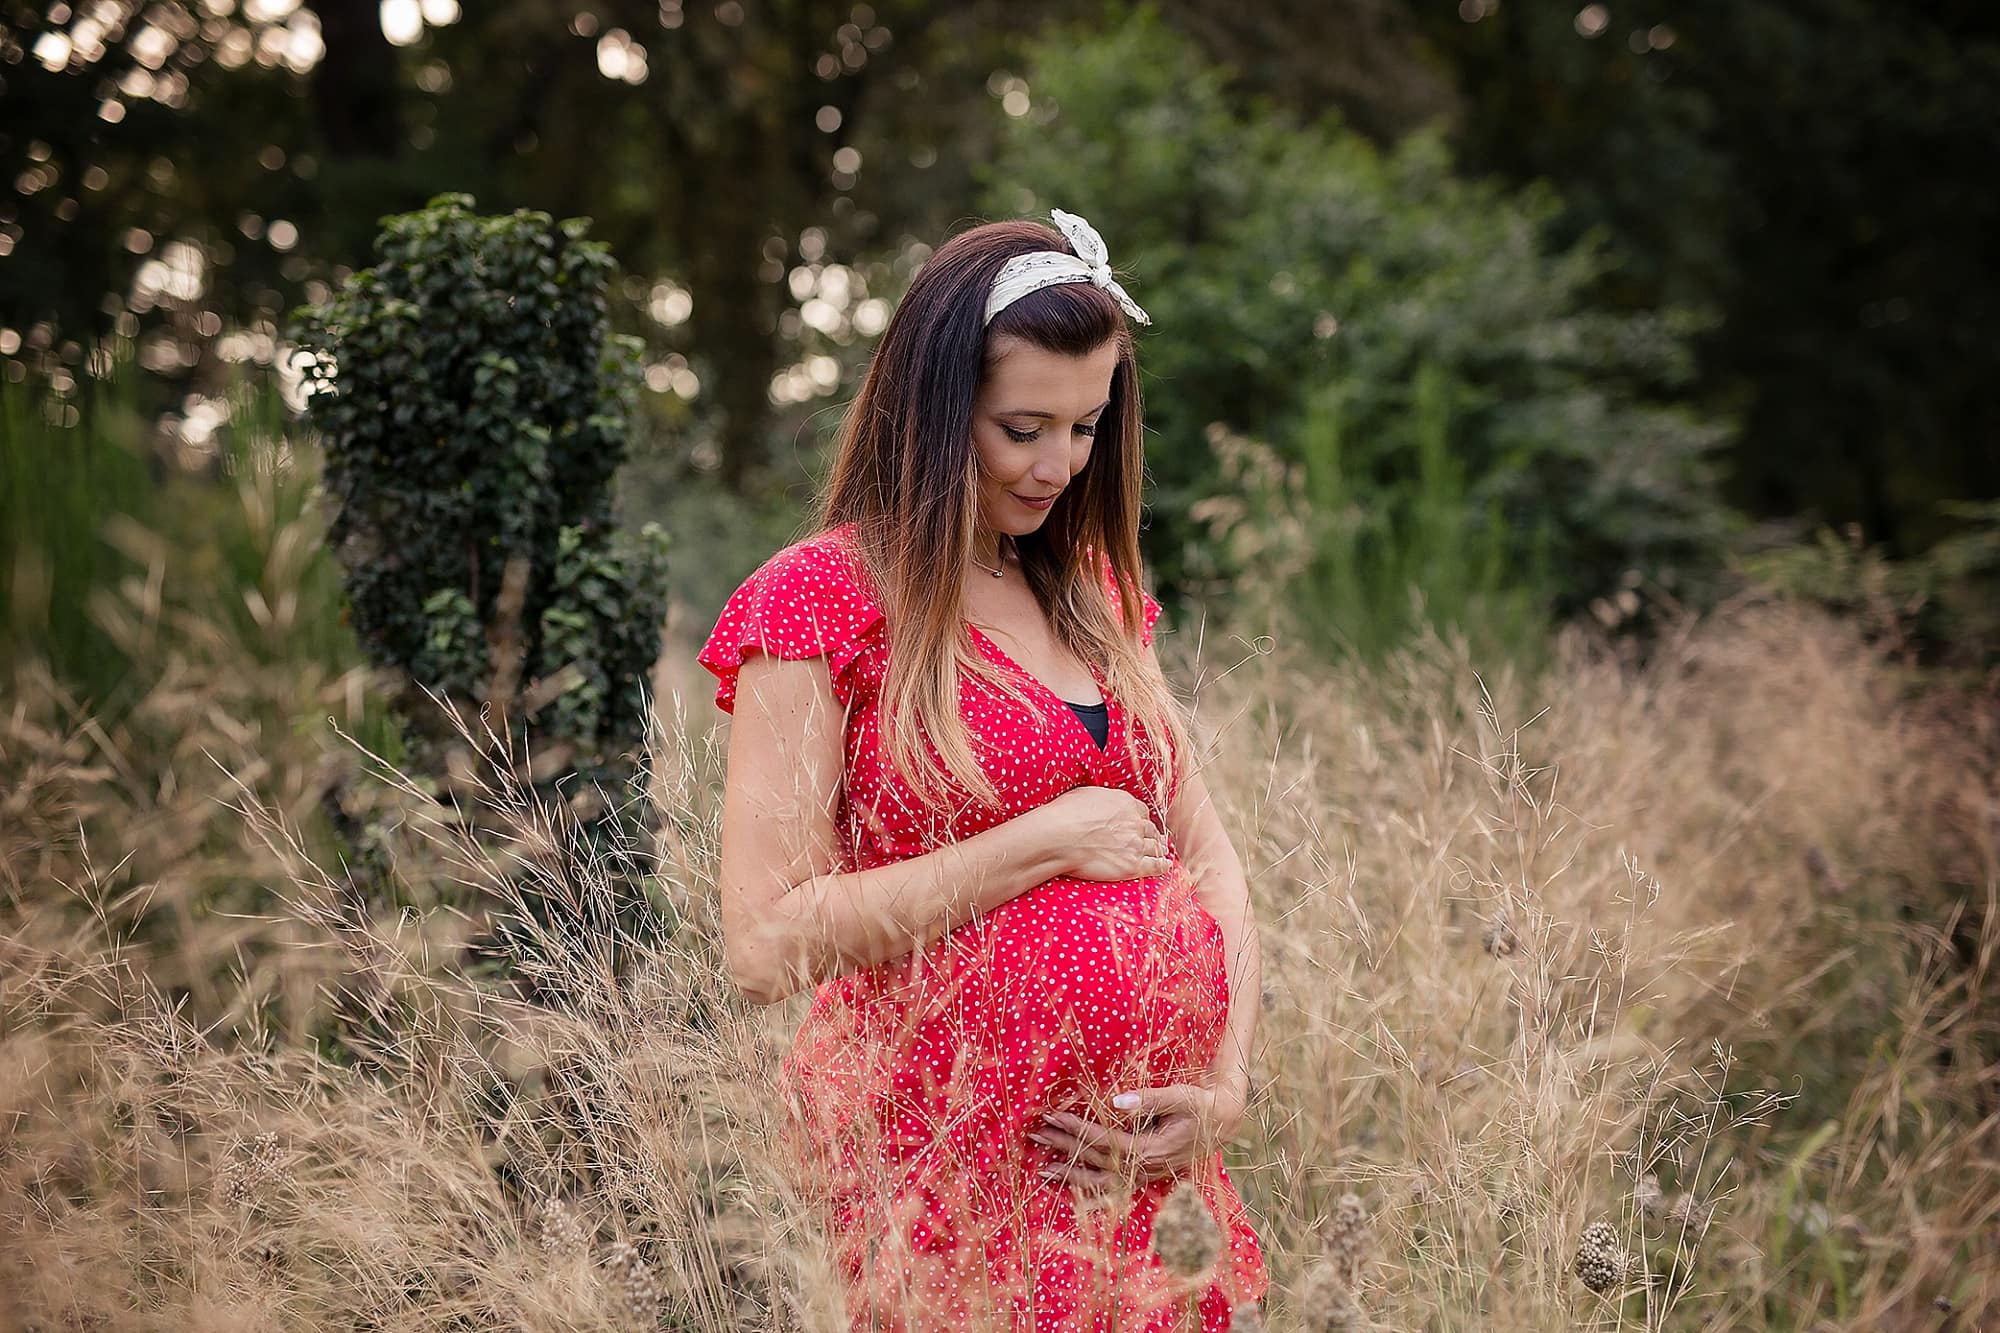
{"x":1325,"y":1302}
{"x":559,"y":1228}
{"x":636,"y":1290}
{"x":253,"y":1168}
{"x":1185,"y":1235}
{"x":1601,"y":1262}
{"x":1687,"y":1213}
{"x":1347,"y":1237}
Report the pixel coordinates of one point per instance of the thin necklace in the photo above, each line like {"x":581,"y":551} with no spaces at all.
{"x":996,"y":573}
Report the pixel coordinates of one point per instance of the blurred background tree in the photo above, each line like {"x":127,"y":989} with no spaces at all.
{"x":1806,"y":169}
{"x":1462,"y":415}
{"x":1656,"y":256}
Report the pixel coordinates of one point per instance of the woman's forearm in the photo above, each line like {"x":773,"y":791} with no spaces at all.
{"x":1211,"y":859}
{"x":1226,"y":894}
{"x":833,"y":924}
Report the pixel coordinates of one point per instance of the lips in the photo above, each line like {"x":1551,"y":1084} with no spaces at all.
{"x":1036,"y":499}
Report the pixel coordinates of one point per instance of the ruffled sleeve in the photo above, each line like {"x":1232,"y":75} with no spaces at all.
{"x":805,"y":601}
{"x":1149,"y":607}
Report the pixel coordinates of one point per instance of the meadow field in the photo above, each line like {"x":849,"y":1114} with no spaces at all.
{"x":1697,"y":945}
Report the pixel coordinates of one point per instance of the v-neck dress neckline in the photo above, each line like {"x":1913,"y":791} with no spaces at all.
{"x":1114,"y":715}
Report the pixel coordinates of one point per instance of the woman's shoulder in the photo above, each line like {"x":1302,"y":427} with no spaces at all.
{"x":822,"y":571}
{"x":808,"y":598}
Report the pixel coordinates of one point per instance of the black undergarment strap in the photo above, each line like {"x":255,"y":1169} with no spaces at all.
{"x":1096,"y":719}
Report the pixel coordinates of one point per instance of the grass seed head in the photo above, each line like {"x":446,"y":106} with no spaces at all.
{"x":636,"y":1290}
{"x":1185,"y":1235}
{"x":1325,"y":1302}
{"x":1601,"y":1262}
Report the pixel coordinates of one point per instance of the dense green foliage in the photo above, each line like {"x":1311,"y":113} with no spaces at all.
{"x":1945,"y":602}
{"x":1801,"y":174}
{"x":65,"y":468}
{"x":1415,"y":342}
{"x":107,"y":515}
{"x":1805,"y":171}
{"x":1810,"y":169}
{"x":473,"y":406}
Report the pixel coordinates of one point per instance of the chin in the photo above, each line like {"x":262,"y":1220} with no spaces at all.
{"x":1020,"y":521}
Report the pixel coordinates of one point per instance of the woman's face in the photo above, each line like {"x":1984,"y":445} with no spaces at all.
{"x":1032,"y":425}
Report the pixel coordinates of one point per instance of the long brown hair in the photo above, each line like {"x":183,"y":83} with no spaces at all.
{"x":906,"y":475}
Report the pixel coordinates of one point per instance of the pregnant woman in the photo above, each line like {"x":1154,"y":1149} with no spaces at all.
{"x":959,"y":809}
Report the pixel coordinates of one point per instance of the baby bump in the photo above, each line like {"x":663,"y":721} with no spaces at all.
{"x":1100,"y":983}
{"x":1060,"y":997}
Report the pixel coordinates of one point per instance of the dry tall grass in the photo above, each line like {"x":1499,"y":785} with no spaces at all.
{"x":1699,"y":952}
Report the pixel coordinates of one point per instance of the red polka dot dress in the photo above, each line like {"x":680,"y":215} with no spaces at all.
{"x":912,"y":1085}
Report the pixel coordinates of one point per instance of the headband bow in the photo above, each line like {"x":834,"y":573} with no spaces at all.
{"x":1045,"y":268}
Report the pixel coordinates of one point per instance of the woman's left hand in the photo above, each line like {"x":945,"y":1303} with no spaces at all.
{"x":1182,"y":1124}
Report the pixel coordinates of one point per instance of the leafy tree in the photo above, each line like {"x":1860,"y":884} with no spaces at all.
{"x":705,"y":140}
{"x":1370,"y":310}
{"x":1809,"y":169}
{"x":173,"y":160}
{"x":741,"y":129}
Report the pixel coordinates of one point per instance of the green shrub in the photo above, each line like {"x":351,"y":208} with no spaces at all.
{"x":474,"y":405}
{"x":1343,"y":303}
{"x":1943,"y":604}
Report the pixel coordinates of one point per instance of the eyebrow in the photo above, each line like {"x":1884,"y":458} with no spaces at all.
{"x":1048,"y":416}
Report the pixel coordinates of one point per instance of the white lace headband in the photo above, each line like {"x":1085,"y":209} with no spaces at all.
{"x":1045,"y":268}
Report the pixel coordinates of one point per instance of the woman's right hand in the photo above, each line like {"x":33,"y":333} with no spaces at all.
{"x":1106,"y":833}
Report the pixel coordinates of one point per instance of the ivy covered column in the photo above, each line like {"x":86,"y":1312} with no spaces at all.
{"x":474,"y":405}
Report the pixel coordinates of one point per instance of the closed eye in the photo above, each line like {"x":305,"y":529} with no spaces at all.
{"x":1024,"y":437}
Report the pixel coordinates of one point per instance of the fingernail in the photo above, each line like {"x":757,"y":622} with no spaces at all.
{"x":1125,"y":1101}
